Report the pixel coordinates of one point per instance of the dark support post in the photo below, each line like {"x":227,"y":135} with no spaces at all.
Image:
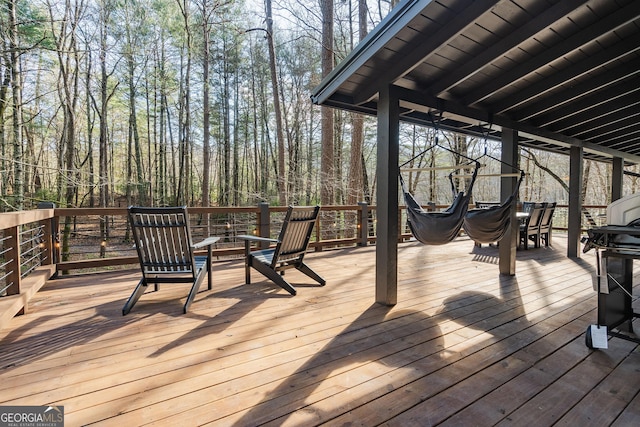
{"x":387,"y":195}
{"x":363,"y":224}
{"x":617,"y":176}
{"x":509,"y":243}
{"x":575,"y":201}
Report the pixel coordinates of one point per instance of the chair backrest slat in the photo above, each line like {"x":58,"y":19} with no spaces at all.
{"x":547,"y":216}
{"x":295,"y":233}
{"x":535,"y":217}
{"x":162,"y":239}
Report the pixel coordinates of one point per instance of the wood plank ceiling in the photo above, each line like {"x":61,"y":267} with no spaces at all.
{"x":562,"y":72}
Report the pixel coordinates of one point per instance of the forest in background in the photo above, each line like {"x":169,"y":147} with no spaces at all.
{"x":206,"y":103}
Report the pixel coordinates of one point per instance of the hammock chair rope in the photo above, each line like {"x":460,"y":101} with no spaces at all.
{"x":488,"y":225}
{"x":438,"y":228}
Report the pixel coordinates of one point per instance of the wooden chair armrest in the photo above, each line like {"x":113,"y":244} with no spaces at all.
{"x":206,"y":242}
{"x":250,"y":238}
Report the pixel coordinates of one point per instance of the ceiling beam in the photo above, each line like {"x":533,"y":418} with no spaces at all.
{"x":504,"y":45}
{"x":628,"y":144}
{"x":606,"y":25}
{"x":564,"y":96}
{"x":623,"y":138}
{"x":623,"y":118}
{"x":479,"y":115}
{"x":590,"y":108}
{"x":418,"y":52}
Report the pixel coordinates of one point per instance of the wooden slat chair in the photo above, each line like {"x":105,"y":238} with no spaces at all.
{"x":546,"y":223}
{"x":530,"y":229}
{"x":289,"y":250}
{"x":165,"y":251}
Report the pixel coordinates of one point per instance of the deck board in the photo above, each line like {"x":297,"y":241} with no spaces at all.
{"x":463,"y":346}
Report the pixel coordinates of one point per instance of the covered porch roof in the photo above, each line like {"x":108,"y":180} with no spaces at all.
{"x":559,"y":75}
{"x":562,"y":73}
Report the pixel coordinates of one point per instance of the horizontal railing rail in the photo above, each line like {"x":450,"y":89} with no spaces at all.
{"x":92,"y":247}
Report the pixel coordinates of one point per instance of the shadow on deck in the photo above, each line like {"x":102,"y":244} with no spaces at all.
{"x":464,"y":346}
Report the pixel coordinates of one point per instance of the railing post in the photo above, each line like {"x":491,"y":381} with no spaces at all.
{"x":12,"y":257}
{"x":317,"y":231}
{"x":48,"y":242}
{"x":264,"y":223}
{"x":46,"y":255}
{"x":55,"y":234}
{"x":363,"y":224}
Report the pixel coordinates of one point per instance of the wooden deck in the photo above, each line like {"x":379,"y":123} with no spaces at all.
{"x":464,"y":346}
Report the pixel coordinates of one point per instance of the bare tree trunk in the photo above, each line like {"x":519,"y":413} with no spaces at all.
{"x":134,"y":140}
{"x":173,"y":180}
{"x":163,"y":169}
{"x":281,"y":173}
{"x":184,"y":139}
{"x":5,"y":76}
{"x":235,"y":178}
{"x":103,"y":168}
{"x":68,"y":97}
{"x":267,"y":150}
{"x":68,"y":58}
{"x":90,"y":126}
{"x":16,"y":85}
{"x":294,"y":175}
{"x":5,"y":82}
{"x":103,"y":111}
{"x":223,"y":199}
{"x":327,"y":167}
{"x":544,"y":168}
{"x":355,"y":178}
{"x":206,"y":112}
{"x":338,"y":142}
{"x":257,"y":189}
{"x":585,"y":180}
{"x":135,"y":150}
{"x":149,"y":96}
{"x":365,"y":182}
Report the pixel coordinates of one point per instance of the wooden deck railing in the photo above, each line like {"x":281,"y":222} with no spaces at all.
{"x":41,"y":243}
{"x":26,"y":258}
{"x":337,"y":226}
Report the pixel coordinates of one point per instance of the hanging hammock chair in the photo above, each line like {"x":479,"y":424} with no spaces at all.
{"x":438,"y":228}
{"x":488,"y":225}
